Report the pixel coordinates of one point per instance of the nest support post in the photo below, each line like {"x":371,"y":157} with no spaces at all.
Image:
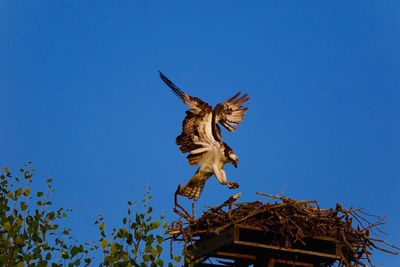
{"x":244,"y":246}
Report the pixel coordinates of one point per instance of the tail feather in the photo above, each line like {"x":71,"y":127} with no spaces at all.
{"x":192,"y":190}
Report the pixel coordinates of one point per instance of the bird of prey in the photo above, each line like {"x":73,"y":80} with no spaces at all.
{"x":201,"y":138}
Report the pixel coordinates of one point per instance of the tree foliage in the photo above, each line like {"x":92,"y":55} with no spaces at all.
{"x":29,"y":225}
{"x":30,"y":232}
{"x":138,"y":242}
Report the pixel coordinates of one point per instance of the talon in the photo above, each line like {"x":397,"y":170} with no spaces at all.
{"x":233,"y":185}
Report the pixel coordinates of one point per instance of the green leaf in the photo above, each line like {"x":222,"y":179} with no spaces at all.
{"x":20,"y":264}
{"x":154,"y":252}
{"x":126,"y":257}
{"x":113,"y":248}
{"x":102,"y":226}
{"x":18,"y":192}
{"x":23,"y":206}
{"x":75,"y":250}
{"x":39,"y":194}
{"x":18,"y":222}
{"x":27,"y":191}
{"x":159,"y":262}
{"x":177,"y":258}
{"x":155,"y":225}
{"x":147,"y":248}
{"x":64,"y":255}
{"x":129,"y":238}
{"x":28,"y":175}
{"x":7,"y":226}
{"x":146,"y":257}
{"x":138,"y":235}
{"x":103,"y":243}
{"x":19,"y":241}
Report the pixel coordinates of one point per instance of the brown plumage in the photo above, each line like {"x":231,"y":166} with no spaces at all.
{"x":201,"y":137}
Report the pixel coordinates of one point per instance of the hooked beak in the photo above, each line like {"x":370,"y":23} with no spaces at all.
{"x":236,"y":162}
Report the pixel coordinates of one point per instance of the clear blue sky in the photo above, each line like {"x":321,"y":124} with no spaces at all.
{"x":81,"y":98}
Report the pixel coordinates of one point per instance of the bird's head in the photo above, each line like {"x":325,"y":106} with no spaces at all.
{"x":231,"y":156}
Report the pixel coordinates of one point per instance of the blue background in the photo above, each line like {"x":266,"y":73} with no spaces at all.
{"x":81,"y":98}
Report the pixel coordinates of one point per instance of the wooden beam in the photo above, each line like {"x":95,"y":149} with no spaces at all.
{"x":234,"y":255}
{"x":292,"y":263}
{"x":291,"y":250}
{"x":208,"y":265}
{"x":208,"y":246}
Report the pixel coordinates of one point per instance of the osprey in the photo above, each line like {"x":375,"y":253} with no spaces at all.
{"x":201,"y":138}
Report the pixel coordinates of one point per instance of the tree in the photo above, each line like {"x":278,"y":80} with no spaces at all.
{"x":30,"y":233}
{"x":138,"y":242}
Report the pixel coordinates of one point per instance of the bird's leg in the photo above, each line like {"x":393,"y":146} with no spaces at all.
{"x":217,"y":172}
{"x":221,"y":177}
{"x":231,"y":185}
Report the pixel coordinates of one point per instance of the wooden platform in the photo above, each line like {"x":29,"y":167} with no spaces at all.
{"x":250,"y":246}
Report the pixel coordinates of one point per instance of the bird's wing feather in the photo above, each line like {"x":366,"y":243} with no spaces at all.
{"x":231,"y":112}
{"x":195,"y":104}
{"x":196,"y":137}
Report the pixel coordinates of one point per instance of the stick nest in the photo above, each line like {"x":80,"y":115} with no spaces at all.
{"x":289,"y":221}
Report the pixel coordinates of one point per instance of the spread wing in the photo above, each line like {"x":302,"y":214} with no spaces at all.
{"x":231,"y":112}
{"x":196,"y":137}
{"x":195,"y":104}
